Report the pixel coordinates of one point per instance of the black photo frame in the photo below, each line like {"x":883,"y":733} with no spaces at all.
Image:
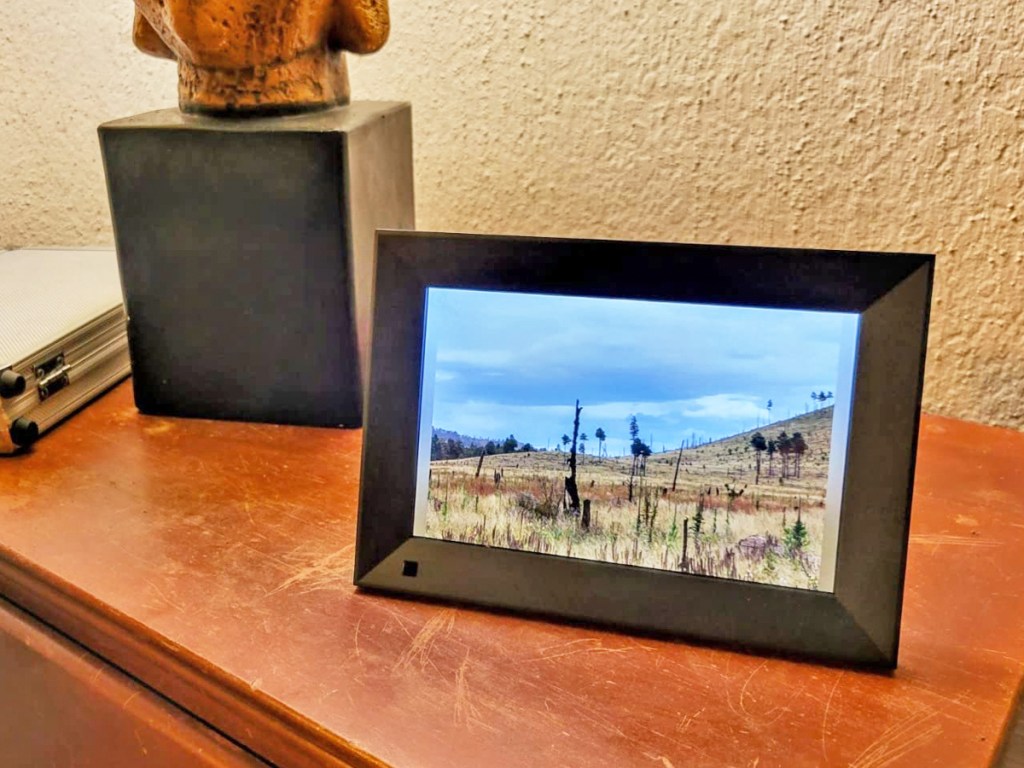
{"x":856,"y":623}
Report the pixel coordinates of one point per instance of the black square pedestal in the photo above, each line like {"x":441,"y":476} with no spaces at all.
{"x":246,"y":250}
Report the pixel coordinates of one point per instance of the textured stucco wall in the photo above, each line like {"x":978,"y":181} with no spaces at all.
{"x":867,"y":125}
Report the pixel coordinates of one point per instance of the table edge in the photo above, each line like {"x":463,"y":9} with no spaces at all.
{"x":249,"y":717}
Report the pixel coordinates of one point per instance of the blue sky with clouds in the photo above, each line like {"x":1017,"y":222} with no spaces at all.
{"x":514,"y":363}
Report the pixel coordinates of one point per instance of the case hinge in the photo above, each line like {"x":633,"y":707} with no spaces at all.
{"x":52,"y":376}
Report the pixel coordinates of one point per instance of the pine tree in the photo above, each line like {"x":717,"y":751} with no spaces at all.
{"x":698,"y":519}
{"x":796,"y":538}
{"x":798,"y":446}
{"x":759,"y":445}
{"x":784,"y":445}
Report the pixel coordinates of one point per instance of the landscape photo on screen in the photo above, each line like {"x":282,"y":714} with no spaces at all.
{"x":703,"y":439}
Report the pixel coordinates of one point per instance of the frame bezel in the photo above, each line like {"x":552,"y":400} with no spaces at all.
{"x":857,"y":623}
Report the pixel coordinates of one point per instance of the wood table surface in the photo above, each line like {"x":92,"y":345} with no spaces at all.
{"x":213,"y":562}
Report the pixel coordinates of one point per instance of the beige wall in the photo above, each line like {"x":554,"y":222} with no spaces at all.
{"x":845,"y":124}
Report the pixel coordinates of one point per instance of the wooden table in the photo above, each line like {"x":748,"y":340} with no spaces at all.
{"x":212,"y":563}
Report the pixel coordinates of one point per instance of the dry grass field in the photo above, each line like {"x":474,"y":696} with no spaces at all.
{"x":718,"y":520}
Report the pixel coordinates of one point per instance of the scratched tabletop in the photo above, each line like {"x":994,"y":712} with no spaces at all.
{"x":213,"y":561}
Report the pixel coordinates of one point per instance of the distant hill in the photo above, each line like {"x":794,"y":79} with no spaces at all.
{"x":469,"y":442}
{"x":813,"y":423}
{"x":729,"y":460}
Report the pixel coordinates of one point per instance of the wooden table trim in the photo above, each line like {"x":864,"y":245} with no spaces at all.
{"x":258,"y":722}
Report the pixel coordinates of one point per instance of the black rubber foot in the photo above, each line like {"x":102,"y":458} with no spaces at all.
{"x":12,"y":384}
{"x":24,"y":432}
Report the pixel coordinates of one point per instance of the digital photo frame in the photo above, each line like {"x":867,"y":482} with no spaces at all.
{"x":710,"y":442}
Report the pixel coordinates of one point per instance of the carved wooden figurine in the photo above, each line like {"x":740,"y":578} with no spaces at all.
{"x":260,"y":56}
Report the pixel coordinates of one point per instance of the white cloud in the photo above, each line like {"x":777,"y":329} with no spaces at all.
{"x":479,"y":357}
{"x":724,"y":407}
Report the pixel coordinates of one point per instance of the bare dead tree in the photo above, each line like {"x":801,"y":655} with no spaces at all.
{"x":634,"y":447}
{"x":679,"y":460}
{"x":733,"y":493}
{"x":570,"y":482}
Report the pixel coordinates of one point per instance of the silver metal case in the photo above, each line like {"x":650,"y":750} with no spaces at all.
{"x":63,"y":337}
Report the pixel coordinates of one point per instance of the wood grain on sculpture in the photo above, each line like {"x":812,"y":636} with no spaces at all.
{"x":260,"y":56}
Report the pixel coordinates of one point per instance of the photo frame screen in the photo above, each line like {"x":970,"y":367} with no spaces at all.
{"x":699,"y":438}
